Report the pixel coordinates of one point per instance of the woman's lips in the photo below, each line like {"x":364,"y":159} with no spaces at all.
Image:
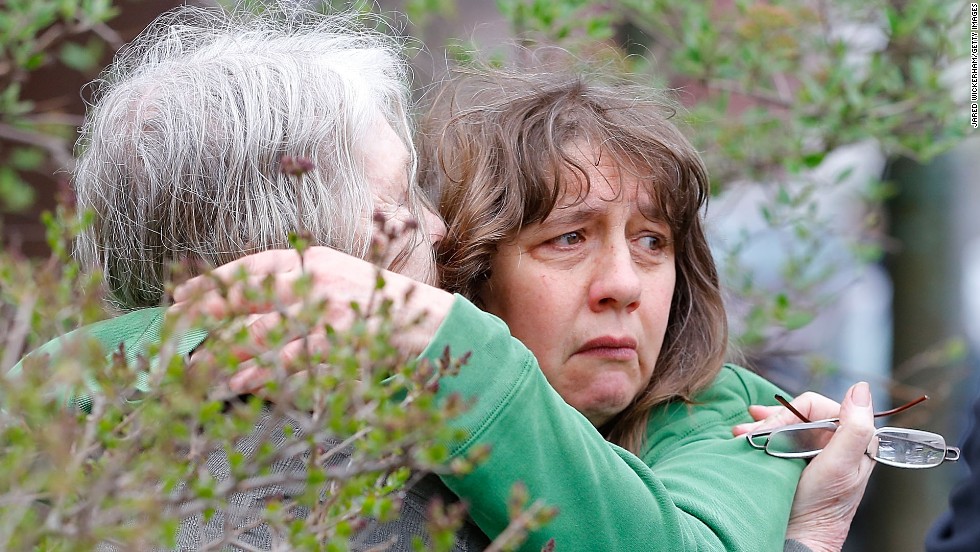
{"x":609,"y":348}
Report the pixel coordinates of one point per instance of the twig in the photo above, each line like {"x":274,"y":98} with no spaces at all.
{"x":515,"y":528}
{"x":54,"y":146}
{"x":109,"y":35}
{"x":15,"y":339}
{"x":731,"y":86}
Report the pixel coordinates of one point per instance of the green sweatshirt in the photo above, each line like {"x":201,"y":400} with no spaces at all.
{"x":693,"y":488}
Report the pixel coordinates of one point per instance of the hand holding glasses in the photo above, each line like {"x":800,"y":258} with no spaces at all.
{"x":894,"y":446}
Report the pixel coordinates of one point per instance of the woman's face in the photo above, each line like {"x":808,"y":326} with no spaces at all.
{"x":588,"y":290}
{"x":386,"y":166}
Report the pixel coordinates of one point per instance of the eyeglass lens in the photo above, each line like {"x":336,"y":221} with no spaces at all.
{"x":905,"y":448}
{"x":801,"y":442}
{"x":908,"y":448}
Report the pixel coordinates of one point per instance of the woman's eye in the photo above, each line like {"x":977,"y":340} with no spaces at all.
{"x":569,"y":238}
{"x":652,"y":243}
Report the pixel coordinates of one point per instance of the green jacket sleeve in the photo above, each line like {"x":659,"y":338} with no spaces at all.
{"x":740,"y":494}
{"x":607,"y":497}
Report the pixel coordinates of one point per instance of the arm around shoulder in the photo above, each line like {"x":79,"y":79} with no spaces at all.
{"x":606,"y":496}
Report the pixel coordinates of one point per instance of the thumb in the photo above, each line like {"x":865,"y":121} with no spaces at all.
{"x":857,"y":425}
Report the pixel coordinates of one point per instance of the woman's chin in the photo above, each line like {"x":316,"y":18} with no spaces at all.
{"x":600,"y":408}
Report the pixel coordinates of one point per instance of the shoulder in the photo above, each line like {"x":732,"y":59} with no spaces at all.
{"x":126,"y":329}
{"x":132,"y":330}
{"x":711,"y":413}
{"x":735,"y":383}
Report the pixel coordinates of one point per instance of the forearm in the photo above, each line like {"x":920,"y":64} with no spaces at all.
{"x":605,"y":495}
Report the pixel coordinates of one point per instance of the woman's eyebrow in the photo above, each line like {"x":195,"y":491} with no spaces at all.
{"x":651,"y":206}
{"x":569,"y":216}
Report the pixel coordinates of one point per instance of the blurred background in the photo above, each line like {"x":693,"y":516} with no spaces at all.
{"x":838,"y":136}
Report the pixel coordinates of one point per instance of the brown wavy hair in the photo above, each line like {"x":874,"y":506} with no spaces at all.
{"x":493,"y":150}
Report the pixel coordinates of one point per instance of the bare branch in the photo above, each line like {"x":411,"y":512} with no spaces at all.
{"x":55,"y":147}
{"x":14,"y":343}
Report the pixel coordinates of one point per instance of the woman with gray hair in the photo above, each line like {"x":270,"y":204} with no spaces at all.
{"x":180,"y":164}
{"x":179,"y":154}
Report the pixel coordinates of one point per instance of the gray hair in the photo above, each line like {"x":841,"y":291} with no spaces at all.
{"x":180,"y":149}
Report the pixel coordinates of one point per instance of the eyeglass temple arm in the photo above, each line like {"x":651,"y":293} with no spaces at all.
{"x":782,"y":400}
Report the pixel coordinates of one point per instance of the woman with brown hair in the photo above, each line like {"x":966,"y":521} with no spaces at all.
{"x":514,"y":155}
{"x":573,"y":208}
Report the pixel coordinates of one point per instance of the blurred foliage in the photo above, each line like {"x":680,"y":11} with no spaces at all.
{"x":777,"y":85}
{"x":771,"y":89}
{"x":38,"y":35}
{"x":129,"y":468}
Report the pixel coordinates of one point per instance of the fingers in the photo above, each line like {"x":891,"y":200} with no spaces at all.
{"x":325,"y":284}
{"x":759,"y":413}
{"x":255,"y":371}
{"x":270,"y":332}
{"x":257,"y":265}
{"x":850,"y":442}
{"x":269,"y":280}
{"x":812,"y":405}
{"x":832,"y":485}
{"x":253,"y":380}
{"x":249,"y":380}
{"x":246,"y":295}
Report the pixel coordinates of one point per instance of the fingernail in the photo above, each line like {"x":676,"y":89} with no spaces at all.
{"x":861,"y":394}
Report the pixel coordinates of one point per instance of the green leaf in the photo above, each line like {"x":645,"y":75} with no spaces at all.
{"x":35,"y":61}
{"x":797,"y":319}
{"x":82,"y":58}
{"x":843,"y":175}
{"x":782,"y":196}
{"x":812,"y":160}
{"x":15,"y":194}
{"x":26,"y":159}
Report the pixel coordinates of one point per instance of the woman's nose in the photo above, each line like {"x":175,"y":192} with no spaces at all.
{"x":616,"y":281}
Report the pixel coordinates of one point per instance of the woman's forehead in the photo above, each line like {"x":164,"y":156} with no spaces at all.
{"x":591,"y":197}
{"x":601,"y":175}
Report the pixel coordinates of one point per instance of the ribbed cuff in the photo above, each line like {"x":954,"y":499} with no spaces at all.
{"x":792,"y":545}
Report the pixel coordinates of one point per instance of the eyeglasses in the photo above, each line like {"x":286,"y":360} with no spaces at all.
{"x":893,"y":446}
